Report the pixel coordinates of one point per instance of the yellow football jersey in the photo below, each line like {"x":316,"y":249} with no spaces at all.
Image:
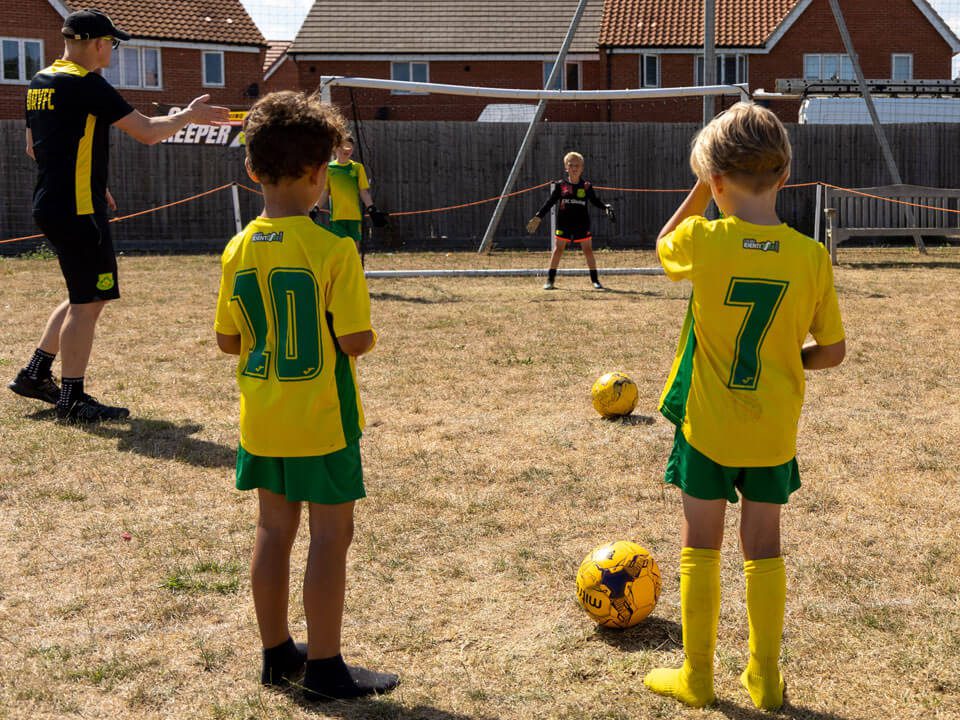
{"x":344,"y":182}
{"x":288,"y":288}
{"x":737,"y":382}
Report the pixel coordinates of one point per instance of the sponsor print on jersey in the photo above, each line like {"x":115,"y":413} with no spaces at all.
{"x":761,"y":245}
{"x":267,"y":237}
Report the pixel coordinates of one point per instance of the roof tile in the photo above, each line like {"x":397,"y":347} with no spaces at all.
{"x":445,"y":26}
{"x":679,"y":23}
{"x":212,"y":21}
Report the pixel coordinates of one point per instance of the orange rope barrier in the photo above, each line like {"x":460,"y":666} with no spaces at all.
{"x":132,"y":215}
{"x":891,"y":200}
{"x":471,"y":204}
{"x":498,"y":197}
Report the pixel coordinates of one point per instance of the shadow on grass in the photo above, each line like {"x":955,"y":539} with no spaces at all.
{"x":393,"y":297}
{"x":654,"y":633}
{"x":631,"y":420}
{"x":381,"y":709}
{"x":792,"y":712}
{"x":157,"y":439}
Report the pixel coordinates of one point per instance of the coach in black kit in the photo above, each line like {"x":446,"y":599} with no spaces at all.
{"x":70,"y":109}
{"x":573,"y":218}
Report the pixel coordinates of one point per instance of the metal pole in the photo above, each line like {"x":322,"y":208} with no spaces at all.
{"x":236,"y":207}
{"x":709,"y":56}
{"x":487,"y":243}
{"x":874,"y":118}
{"x":818,"y":213}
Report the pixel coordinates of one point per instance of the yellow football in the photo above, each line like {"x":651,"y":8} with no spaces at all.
{"x":614,"y":394}
{"x":618,"y":584}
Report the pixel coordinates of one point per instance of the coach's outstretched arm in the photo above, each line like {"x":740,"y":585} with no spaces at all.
{"x":151,"y":130}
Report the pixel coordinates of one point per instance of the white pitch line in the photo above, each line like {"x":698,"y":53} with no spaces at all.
{"x":513,"y":272}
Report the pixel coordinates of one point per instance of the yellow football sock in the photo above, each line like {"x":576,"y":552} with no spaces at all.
{"x":766,"y":597}
{"x":700,"y":613}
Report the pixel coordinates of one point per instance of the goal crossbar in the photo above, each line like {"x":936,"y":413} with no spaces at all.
{"x":531,"y":94}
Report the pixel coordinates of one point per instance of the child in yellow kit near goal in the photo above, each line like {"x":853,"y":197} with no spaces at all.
{"x":736,"y":387}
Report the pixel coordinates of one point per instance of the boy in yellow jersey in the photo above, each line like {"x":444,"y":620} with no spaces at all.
{"x":736,"y":386}
{"x":294,"y":306}
{"x":347,"y":186}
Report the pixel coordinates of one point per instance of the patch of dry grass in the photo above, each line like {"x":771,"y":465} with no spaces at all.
{"x":489,"y":478}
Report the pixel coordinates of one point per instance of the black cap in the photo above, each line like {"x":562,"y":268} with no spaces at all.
{"x":91,"y":24}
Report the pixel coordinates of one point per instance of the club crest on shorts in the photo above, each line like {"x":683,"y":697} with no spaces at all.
{"x":105,"y":281}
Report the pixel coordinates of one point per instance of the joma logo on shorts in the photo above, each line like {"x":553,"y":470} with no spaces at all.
{"x":764,"y":246}
{"x":267,"y":237}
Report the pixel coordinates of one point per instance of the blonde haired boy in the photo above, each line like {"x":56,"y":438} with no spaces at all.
{"x":736,"y":386}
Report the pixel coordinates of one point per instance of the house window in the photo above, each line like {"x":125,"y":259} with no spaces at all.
{"x":649,"y":71}
{"x":213,"y":74}
{"x":902,"y":67}
{"x":730,"y":69}
{"x":409,"y":72}
{"x":22,"y":59}
{"x":569,"y":80}
{"x":134,"y":67}
{"x":827,"y":67}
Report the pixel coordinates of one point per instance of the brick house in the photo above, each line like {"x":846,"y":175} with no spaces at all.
{"x":497,"y":43}
{"x":179,"y":50}
{"x":279,"y":68}
{"x":620,"y":44}
{"x":656,"y":43}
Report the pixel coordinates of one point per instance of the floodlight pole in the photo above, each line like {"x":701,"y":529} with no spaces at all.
{"x":872,"y":111}
{"x":709,"y":56}
{"x":487,"y":243}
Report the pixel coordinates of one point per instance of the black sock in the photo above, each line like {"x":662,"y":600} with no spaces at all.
{"x":552,"y":275}
{"x":593,"y":276}
{"x":40,"y":365}
{"x":327,"y":674}
{"x":281,"y":662}
{"x":71,"y":390}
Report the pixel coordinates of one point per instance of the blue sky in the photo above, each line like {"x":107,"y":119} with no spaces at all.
{"x":280,"y":19}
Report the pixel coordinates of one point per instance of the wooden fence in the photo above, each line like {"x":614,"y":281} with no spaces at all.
{"x":424,"y":165}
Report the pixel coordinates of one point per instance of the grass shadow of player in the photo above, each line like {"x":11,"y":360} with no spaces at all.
{"x":638,"y":293}
{"x":788,"y":711}
{"x":654,"y":633}
{"x":384,"y":708}
{"x":160,"y":439}
{"x":630,"y":420}
{"x":393,"y":297}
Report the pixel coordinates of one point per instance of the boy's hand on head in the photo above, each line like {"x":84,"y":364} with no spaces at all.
{"x":533,"y":225}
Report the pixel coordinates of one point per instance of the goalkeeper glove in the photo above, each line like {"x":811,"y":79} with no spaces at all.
{"x":608,"y":210}
{"x":379,"y":219}
{"x":533,"y":224}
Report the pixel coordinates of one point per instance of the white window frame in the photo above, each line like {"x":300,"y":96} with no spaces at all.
{"x":840,"y":57}
{"x":563,"y":78}
{"x":893,"y":65}
{"x":409,"y":64}
{"x":22,"y":78}
{"x":643,"y":69}
{"x":223,"y":69}
{"x":742,"y":60}
{"x":141,"y":80}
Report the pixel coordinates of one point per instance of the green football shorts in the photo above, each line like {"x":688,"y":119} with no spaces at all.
{"x":324,"y":479}
{"x":700,"y":477}
{"x":347,"y":228}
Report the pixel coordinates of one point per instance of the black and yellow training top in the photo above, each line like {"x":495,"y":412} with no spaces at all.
{"x":69,"y":113}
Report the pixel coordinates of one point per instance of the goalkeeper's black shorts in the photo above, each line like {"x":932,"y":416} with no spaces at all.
{"x":85,"y":251}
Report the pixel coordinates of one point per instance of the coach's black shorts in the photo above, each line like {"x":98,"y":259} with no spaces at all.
{"x":85,"y":251}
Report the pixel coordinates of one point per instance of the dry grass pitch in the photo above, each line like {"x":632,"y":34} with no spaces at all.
{"x":489,"y":478}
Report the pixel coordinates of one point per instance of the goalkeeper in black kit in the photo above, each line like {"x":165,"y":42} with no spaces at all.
{"x":573,"y":218}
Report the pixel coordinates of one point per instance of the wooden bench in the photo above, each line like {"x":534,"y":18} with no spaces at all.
{"x":852,"y":214}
